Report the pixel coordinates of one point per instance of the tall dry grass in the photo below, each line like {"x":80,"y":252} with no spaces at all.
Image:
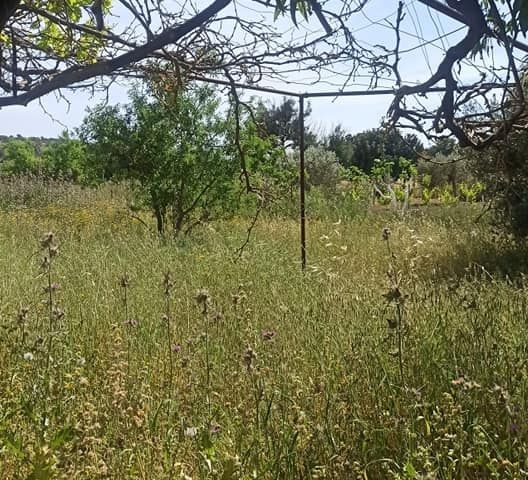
{"x":174,"y":361}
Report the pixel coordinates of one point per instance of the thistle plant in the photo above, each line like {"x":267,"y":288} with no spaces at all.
{"x":293,"y":371}
{"x":203,"y":299}
{"x":128,"y":322}
{"x":51,"y":249}
{"x":22,"y":318}
{"x":167,"y":288}
{"x":395,"y":297}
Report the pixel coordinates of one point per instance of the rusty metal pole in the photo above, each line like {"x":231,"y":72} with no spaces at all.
{"x":302,"y":183}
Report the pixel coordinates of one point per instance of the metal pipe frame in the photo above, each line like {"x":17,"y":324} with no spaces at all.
{"x":301,"y":97}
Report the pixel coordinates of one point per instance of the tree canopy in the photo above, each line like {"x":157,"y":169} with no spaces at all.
{"x":282,"y":122}
{"x":47,"y":46}
{"x":362,"y":149}
{"x":172,"y":146}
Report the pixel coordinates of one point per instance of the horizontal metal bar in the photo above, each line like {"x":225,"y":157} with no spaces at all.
{"x":245,"y":86}
{"x":393,"y":91}
{"x":350,"y":93}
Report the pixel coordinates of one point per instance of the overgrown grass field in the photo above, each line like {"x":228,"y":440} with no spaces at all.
{"x":398,"y":354}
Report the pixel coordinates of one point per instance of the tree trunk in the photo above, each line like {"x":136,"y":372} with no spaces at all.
{"x":158,"y":212}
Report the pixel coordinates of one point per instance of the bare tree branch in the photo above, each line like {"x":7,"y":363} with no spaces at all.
{"x":79,"y":74}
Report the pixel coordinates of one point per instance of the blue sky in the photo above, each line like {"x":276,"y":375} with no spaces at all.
{"x":52,"y":115}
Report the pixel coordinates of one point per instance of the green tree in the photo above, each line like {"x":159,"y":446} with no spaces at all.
{"x":57,"y":44}
{"x":504,"y":170}
{"x":173,"y":147}
{"x":282,"y":122}
{"x":104,"y":132}
{"x":362,"y":149}
{"x":19,"y":157}
{"x":65,"y":157}
{"x":322,"y":168}
{"x":339,"y":142}
{"x":447,"y":169}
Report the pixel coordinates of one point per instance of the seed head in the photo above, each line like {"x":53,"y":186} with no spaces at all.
{"x":28,"y":356}
{"x":45,"y":263}
{"x":268,"y":335}
{"x":51,"y":288}
{"x":249,"y":357}
{"x":125,"y":281}
{"x":215,"y":429}
{"x":167,"y":282}
{"x":47,"y":240}
{"x":132,"y":322}
{"x":22,"y":314}
{"x":392,"y":323}
{"x":385,"y":234}
{"x":202,"y":297}
{"x":393,"y":295}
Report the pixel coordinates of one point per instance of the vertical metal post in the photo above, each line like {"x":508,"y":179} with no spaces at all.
{"x":302,"y":183}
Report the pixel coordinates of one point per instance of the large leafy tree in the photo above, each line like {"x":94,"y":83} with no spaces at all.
{"x":65,"y":157}
{"x":362,"y":149}
{"x":18,"y":156}
{"x":173,"y":147}
{"x":281,"y":121}
{"x":339,"y":142}
{"x":47,"y":46}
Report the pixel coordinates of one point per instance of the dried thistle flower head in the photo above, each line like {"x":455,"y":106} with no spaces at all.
{"x":51,"y":288}
{"x":47,"y":240}
{"x":248,"y":357}
{"x":22,"y":314}
{"x":215,"y":429}
{"x":385,"y":234}
{"x":268,"y":335}
{"x":45,"y":263}
{"x":393,"y":323}
{"x":131,"y":322}
{"x":167,"y":282}
{"x":393,"y":295}
{"x":202,"y":297}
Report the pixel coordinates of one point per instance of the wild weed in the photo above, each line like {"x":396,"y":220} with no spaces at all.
{"x":269,"y":373}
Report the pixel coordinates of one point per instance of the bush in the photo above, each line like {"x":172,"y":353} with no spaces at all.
{"x":504,"y":169}
{"x":19,"y":157}
{"x":322,"y":167}
{"x":172,"y":147}
{"x":446,"y":169}
{"x":471,"y":192}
